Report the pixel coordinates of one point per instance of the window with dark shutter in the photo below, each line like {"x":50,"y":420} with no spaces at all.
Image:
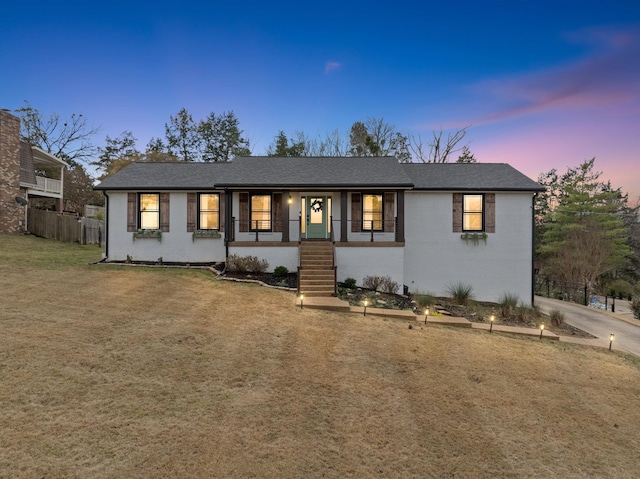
{"x":222,"y":211}
{"x":356,"y":213}
{"x":191,"y":212}
{"x":277,"y":212}
{"x":490,"y":214}
{"x":164,"y":212}
{"x":244,"y":212}
{"x":131,"y":211}
{"x":457,"y":212}
{"x":389,"y":213}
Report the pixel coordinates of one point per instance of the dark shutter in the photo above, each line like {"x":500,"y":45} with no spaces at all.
{"x":192,"y":212}
{"x":131,"y":211}
{"x":276,"y":212}
{"x":490,"y":212}
{"x":221,"y":212}
{"x":244,"y":212}
{"x":389,"y":213}
{"x":356,"y":213}
{"x":457,"y":212}
{"x":164,"y":212}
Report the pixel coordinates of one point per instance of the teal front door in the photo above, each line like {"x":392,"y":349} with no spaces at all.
{"x":317,"y":217}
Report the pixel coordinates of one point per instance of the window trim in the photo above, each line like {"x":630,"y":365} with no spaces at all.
{"x":483,"y":213}
{"x":139,"y":208}
{"x":270,"y":211}
{"x":372,"y":222}
{"x":199,"y":211}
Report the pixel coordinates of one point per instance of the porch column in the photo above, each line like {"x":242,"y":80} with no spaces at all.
{"x":285,"y":216}
{"x":344,"y":208}
{"x":400,"y":225}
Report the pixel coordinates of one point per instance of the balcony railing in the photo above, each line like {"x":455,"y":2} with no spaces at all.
{"x":48,"y":185}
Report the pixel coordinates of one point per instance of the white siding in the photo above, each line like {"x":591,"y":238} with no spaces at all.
{"x":359,"y":261}
{"x":176,"y":245}
{"x":436,"y":257}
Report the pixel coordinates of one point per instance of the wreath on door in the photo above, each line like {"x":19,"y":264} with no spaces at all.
{"x":316,"y":205}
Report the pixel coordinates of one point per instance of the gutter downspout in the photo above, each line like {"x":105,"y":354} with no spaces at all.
{"x":106,"y":225}
{"x":228,"y":202}
{"x":533,"y":247}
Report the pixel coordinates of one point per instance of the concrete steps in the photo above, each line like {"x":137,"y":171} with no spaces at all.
{"x":317,"y":273}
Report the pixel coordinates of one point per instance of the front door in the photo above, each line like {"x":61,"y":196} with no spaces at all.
{"x":317,"y":217}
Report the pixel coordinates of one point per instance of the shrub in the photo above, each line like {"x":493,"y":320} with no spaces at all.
{"x":425,"y":300}
{"x":556,"y":317}
{"x":350,"y":283}
{"x":256,"y":265}
{"x":242,"y":264}
{"x":508,"y":303}
{"x":236,"y":264}
{"x":460,"y":292}
{"x":280,"y":271}
{"x":389,"y":286}
{"x":372,"y":282}
{"x":620,"y":288}
{"x":635,"y":307}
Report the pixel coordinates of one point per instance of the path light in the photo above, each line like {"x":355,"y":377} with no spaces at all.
{"x":492,"y":318}
{"x":426,"y":314}
{"x":366,"y":303}
{"x":301,"y":300}
{"x":611,"y":338}
{"x":541,"y":330}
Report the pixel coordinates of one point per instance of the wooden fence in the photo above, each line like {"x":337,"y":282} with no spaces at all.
{"x":67,"y":228}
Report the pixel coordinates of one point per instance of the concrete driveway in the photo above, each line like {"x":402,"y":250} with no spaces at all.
{"x":597,"y":322}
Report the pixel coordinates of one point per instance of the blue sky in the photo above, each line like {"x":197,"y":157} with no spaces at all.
{"x":541,"y":84}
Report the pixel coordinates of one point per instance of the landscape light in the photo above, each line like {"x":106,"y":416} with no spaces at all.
{"x":541,"y":330}
{"x":426,"y":314}
{"x":366,"y":303}
{"x":301,"y":300}
{"x":611,"y":338}
{"x":492,"y":318}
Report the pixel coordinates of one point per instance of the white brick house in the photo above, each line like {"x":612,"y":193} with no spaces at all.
{"x":424,"y":225}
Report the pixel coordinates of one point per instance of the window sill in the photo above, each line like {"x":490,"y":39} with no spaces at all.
{"x":147,"y":234}
{"x":474,"y":237}
{"x":205,"y":234}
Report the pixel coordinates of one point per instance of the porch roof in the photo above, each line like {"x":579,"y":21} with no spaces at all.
{"x":315,"y":172}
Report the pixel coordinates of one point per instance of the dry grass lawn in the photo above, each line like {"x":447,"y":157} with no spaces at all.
{"x":115,"y":371}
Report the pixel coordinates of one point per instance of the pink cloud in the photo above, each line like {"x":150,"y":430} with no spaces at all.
{"x":609,"y":75}
{"x":331,"y":66}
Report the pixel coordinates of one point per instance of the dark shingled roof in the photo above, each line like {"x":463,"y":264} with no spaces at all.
{"x":165,"y":176}
{"x":314,"y":172}
{"x":27,"y":168}
{"x":469,"y":176}
{"x":319,"y":172}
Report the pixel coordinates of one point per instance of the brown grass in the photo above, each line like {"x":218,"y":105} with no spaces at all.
{"x":113,"y":371}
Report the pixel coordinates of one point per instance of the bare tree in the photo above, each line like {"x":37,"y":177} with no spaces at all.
{"x":439,"y":149}
{"x":66,"y":138}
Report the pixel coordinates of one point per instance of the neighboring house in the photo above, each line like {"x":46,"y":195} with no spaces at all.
{"x":25,"y":172}
{"x":426,"y":226}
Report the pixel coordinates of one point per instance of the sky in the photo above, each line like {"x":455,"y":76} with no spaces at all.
{"x":540,"y":84}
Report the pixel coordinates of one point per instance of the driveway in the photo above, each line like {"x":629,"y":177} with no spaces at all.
{"x":596,"y":322}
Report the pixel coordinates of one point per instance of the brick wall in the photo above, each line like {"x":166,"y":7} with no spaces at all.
{"x":11,"y":213}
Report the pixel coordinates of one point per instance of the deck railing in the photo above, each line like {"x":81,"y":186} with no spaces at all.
{"x":48,"y":185}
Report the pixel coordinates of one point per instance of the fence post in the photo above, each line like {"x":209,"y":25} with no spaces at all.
{"x":586,"y":303}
